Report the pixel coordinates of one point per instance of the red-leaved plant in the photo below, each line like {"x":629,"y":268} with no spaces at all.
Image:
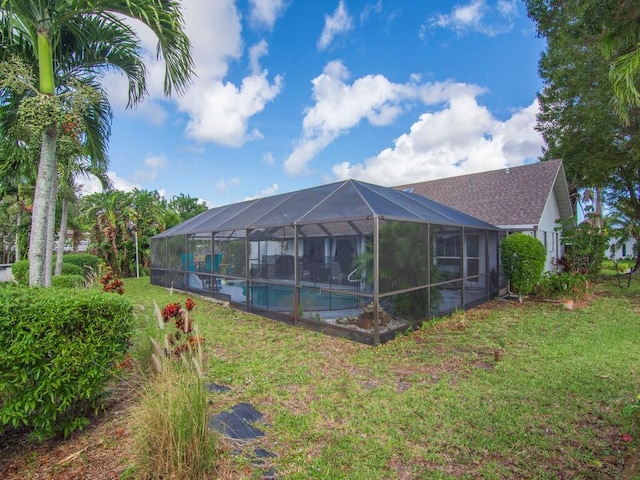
{"x":183,"y":339}
{"x":111,"y":283}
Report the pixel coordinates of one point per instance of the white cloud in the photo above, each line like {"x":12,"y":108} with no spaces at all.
{"x":433,"y":149}
{"x":218,"y":111}
{"x":369,"y":9}
{"x":155,"y":161}
{"x":268,"y":159}
{"x":476,"y":16}
{"x":340,"y":106}
{"x":255,"y":52}
{"x":266,"y":12}
{"x":336,"y":24}
{"x":223,"y":184}
{"x":153,"y":164}
{"x":265,"y":192}
{"x":90,"y":184}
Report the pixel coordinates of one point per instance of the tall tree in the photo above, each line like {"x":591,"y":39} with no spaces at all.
{"x":187,"y":207}
{"x":69,"y":171}
{"x":621,"y":44}
{"x":84,"y":38}
{"x":578,"y":117}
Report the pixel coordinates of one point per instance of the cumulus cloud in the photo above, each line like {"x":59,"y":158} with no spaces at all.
{"x":336,"y":24}
{"x":340,"y":106}
{"x":462,"y":138}
{"x":266,"y":12}
{"x":476,"y":16}
{"x":218,"y":111}
{"x":90,"y":184}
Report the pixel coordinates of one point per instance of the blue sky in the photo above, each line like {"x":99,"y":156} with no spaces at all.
{"x":291,"y":94}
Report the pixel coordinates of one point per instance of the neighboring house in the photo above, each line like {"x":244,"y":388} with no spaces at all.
{"x":627,"y":249}
{"x":528,"y":198}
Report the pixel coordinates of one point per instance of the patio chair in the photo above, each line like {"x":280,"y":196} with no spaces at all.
{"x":215,"y":268}
{"x":188,"y":263}
{"x":336,"y":274}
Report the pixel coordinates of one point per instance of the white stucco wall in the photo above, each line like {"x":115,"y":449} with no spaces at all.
{"x":618,"y":252}
{"x":546,"y":230}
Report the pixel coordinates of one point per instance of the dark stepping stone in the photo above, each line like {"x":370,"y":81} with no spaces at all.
{"x":215,"y":388}
{"x":262,"y":453}
{"x":234,"y":423}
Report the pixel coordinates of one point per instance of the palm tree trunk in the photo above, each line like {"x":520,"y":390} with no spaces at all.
{"x":38,"y":238}
{"x":51,"y":230}
{"x":63,"y":235}
{"x":18,"y":225}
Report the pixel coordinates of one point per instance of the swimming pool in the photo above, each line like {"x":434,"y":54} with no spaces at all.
{"x":281,"y":298}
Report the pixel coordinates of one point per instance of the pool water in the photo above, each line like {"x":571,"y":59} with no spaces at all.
{"x":279,"y":297}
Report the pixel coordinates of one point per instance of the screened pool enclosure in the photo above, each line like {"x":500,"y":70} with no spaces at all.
{"x":348,"y":258}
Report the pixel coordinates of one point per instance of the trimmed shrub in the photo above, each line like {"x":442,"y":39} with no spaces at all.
{"x":56,"y":350}
{"x":74,"y":264}
{"x":70,"y":269}
{"x":20,"y":272}
{"x":68,"y":281}
{"x":86,"y":261}
{"x":523,"y":258}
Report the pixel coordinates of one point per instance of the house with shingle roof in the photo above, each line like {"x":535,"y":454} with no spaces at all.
{"x":528,"y":198}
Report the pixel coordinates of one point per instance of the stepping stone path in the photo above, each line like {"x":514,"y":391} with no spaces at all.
{"x":236,"y":424}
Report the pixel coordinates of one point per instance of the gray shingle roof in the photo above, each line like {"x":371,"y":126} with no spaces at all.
{"x":511,"y":196}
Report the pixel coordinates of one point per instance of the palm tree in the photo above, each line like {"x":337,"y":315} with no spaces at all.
{"x":18,"y":176}
{"x":69,"y":170}
{"x":621,"y":44}
{"x":111,"y":215}
{"x":84,"y":39}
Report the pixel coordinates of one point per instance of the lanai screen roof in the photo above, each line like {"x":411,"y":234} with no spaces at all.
{"x":345,"y":201}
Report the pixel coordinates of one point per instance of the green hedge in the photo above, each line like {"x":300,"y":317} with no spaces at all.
{"x":523,"y":258}
{"x":72,"y":264}
{"x":20,"y":272}
{"x":57,"y":347}
{"x":68,"y":281}
{"x":85,"y":260}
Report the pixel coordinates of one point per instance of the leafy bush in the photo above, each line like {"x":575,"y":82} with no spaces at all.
{"x":70,"y":269}
{"x":56,"y":347}
{"x":523,"y":258}
{"x":86,"y":261}
{"x":20,"y":272}
{"x":76,"y":264}
{"x":585,"y":246}
{"x":562,"y":285}
{"x":68,"y":281}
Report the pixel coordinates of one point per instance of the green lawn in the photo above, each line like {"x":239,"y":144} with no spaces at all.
{"x":435,"y":403}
